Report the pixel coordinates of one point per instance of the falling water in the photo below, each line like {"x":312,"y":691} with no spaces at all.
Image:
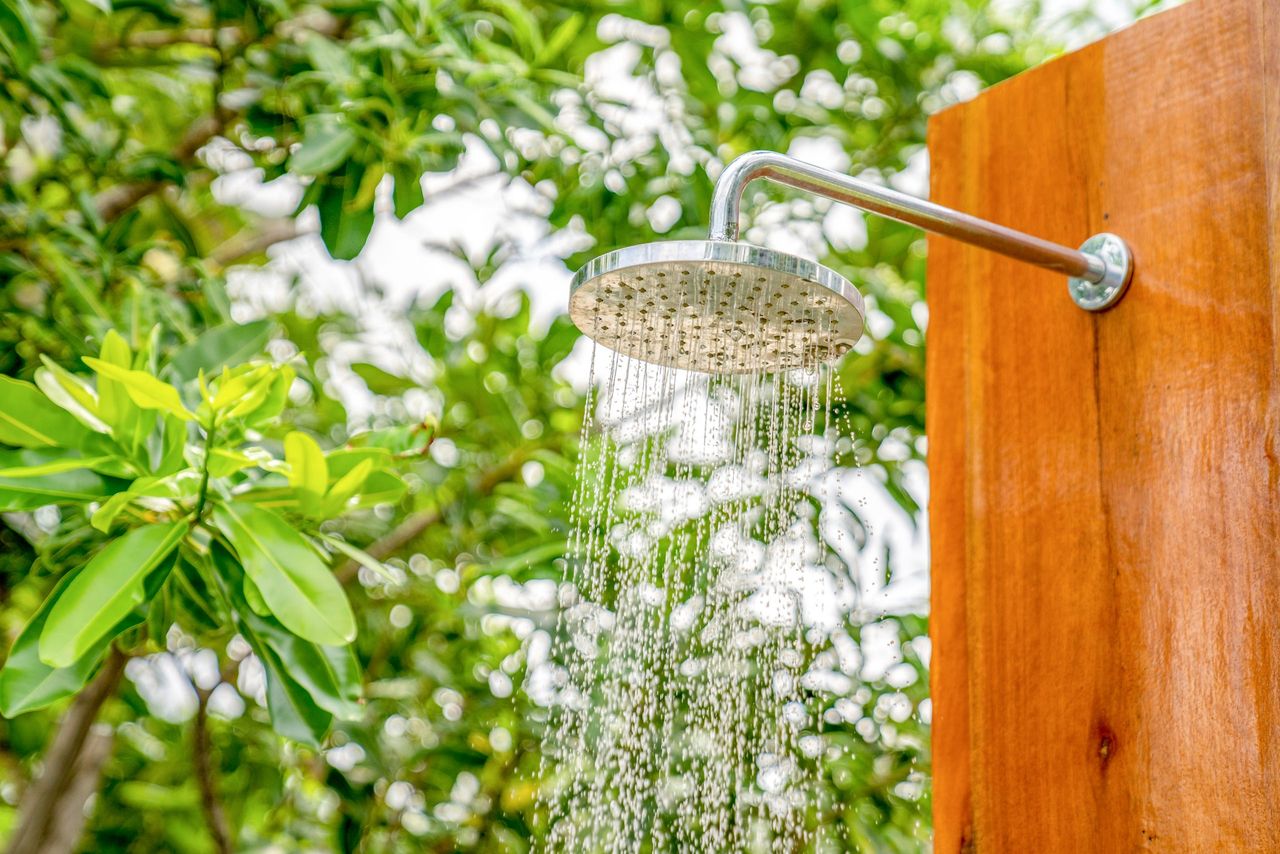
{"x":684,"y":718}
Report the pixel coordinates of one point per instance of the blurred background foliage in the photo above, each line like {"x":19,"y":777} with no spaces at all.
{"x":124,"y":125}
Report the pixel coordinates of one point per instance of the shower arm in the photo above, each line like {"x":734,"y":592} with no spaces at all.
{"x":1100,"y":270}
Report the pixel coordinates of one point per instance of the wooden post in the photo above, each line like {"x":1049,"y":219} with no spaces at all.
{"x":1106,"y":488}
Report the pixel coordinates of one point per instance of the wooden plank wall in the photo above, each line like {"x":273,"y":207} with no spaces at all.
{"x":1106,"y":488}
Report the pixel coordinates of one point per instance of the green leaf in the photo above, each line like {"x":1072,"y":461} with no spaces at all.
{"x":534,"y":110}
{"x":538,"y":555}
{"x":34,"y":464}
{"x":151,"y":166}
{"x":294,"y":714}
{"x":76,"y":387}
{"x":330,"y":674}
{"x":380,"y":381}
{"x":329,"y":58}
{"x":344,"y":228}
{"x":429,"y":326}
{"x":157,"y":799}
{"x":169,"y":455}
{"x":232,"y":387}
{"x":114,"y":406}
{"x":105,"y":591}
{"x":224,"y":462}
{"x":310,"y":196}
{"x":228,"y":345}
{"x":26,"y":491}
{"x":18,"y":34}
{"x":407,"y":439}
{"x":105,"y":515}
{"x":253,"y":598}
{"x":257,"y":395}
{"x":558,"y":342}
{"x":345,"y":488}
{"x":144,"y":390}
{"x":27,"y":683}
{"x":560,"y":39}
{"x":28,"y":419}
{"x":406,"y":190}
{"x":276,"y":398}
{"x":361,"y":557}
{"x":118,"y":465}
{"x":159,"y":619}
{"x":294,"y":582}
{"x":175,"y":221}
{"x":193,"y":601}
{"x":343,"y":460}
{"x":368,"y":189}
{"x":308,"y":472}
{"x":381,"y":487}
{"x":281,"y":498}
{"x":326,"y":144}
{"x":71,"y":393}
{"x":81,"y":292}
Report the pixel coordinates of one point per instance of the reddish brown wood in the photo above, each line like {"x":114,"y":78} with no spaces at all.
{"x":1106,"y":488}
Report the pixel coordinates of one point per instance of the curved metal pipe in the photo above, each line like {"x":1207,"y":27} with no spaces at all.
{"x":898,"y":206}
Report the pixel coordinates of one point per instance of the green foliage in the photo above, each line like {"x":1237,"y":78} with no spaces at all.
{"x":103,"y":593}
{"x":29,"y":420}
{"x":27,"y":682}
{"x":104,"y":108}
{"x":291,"y":581}
{"x":32,"y":479}
{"x":157,"y":487}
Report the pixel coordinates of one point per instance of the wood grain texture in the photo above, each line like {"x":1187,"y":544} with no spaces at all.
{"x":1105,"y":511}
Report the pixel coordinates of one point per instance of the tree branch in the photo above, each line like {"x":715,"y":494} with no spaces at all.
{"x":68,"y":824}
{"x":251,"y":241}
{"x":203,"y":36}
{"x":114,"y":201}
{"x":318,"y":21}
{"x":209,"y":803}
{"x":400,"y":536}
{"x":415,"y":524}
{"x":50,"y":796}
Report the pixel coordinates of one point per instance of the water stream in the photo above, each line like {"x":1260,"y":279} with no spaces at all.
{"x":689,"y":715}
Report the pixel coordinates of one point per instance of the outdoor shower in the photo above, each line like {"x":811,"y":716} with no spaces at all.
{"x":721,"y":306}
{"x":1101,"y":491}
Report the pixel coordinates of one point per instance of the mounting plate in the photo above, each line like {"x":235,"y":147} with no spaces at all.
{"x":1098,"y":296}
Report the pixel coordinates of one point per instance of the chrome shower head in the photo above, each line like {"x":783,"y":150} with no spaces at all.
{"x":722,"y":306}
{"x":716,"y":306}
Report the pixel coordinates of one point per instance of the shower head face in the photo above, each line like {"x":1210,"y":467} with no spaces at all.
{"x":716,"y":306}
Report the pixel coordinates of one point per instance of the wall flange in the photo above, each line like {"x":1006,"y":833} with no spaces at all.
{"x":1101,"y":295}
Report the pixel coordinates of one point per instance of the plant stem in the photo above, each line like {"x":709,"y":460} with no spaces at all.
{"x":202,"y":498}
{"x":209,"y":803}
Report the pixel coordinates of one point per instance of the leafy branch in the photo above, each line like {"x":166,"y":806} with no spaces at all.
{"x":124,"y":447}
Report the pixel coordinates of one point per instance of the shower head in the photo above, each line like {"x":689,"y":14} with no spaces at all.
{"x":716,"y":306}
{"x":721,"y":306}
